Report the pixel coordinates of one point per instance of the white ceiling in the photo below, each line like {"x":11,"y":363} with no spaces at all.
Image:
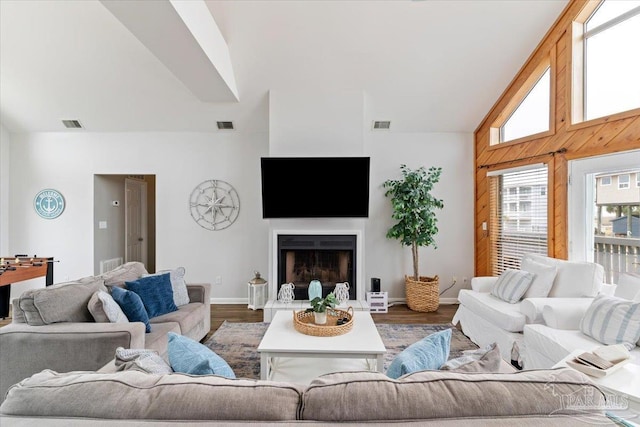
{"x":429,"y":66}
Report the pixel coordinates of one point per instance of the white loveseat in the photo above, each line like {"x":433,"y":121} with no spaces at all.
{"x":560,"y":334}
{"x":485,"y":318}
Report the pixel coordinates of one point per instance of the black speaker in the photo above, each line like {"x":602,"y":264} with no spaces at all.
{"x":375,"y":284}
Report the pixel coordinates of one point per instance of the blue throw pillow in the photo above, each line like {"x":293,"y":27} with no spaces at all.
{"x":156,"y":294}
{"x":191,"y":357}
{"x":429,"y":353}
{"x":131,"y":305}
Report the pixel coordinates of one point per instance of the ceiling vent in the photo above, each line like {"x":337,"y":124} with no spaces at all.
{"x":225,"y":125}
{"x":382,"y":125}
{"x":72,"y":124}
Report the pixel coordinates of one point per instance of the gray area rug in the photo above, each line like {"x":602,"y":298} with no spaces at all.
{"x":237,"y":343}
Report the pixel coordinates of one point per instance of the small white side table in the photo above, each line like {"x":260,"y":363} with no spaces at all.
{"x":257,"y":295}
{"x":623,"y":385}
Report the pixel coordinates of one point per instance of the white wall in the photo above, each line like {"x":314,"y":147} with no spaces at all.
{"x":5,"y":143}
{"x":388,"y":259}
{"x":180,"y":161}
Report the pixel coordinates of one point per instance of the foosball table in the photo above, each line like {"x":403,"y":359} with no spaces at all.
{"x":19,"y":268}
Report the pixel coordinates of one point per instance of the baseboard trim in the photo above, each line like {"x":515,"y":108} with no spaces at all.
{"x":244,"y":301}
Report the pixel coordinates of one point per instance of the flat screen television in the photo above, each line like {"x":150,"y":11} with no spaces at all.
{"x":315,"y":187}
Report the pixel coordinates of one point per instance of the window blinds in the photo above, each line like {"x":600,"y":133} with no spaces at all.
{"x":518,"y":216}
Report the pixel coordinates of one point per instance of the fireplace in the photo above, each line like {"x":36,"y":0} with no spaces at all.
{"x":328,"y":258}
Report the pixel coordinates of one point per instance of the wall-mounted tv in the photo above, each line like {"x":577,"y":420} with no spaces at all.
{"x":315,"y":187}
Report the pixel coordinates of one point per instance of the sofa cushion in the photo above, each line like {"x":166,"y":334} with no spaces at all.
{"x":104,"y":309}
{"x":612,"y":320}
{"x":133,"y":395}
{"x":427,"y":395}
{"x":155,"y":292}
{"x":126,"y":272}
{"x":543,"y":277}
{"x":511,"y":285}
{"x":191,"y":357}
{"x":188,"y":317}
{"x":628,"y":286}
{"x":429,"y":353}
{"x":158,"y":338}
{"x":132,"y":306}
{"x":178,"y":284}
{"x":574,"y":279}
{"x":500,"y":313}
{"x":65,"y":302}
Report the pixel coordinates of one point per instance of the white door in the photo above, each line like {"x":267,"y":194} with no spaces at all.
{"x":135,"y":220}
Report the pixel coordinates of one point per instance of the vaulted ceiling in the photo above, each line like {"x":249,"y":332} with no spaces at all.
{"x":429,"y":66}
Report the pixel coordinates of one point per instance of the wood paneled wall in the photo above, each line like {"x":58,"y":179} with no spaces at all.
{"x":597,"y":137}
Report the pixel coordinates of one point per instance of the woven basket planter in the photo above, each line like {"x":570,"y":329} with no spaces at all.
{"x":422,"y":295}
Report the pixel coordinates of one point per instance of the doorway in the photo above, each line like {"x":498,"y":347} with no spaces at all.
{"x":124,"y":221}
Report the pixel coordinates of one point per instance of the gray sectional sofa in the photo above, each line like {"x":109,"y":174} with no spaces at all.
{"x":69,"y":340}
{"x":127,"y":398}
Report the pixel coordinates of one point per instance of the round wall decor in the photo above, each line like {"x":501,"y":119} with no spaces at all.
{"x":49,"y":203}
{"x":214,"y":204}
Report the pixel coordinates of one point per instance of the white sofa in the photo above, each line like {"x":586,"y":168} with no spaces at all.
{"x":486,"y":319}
{"x":560,"y":334}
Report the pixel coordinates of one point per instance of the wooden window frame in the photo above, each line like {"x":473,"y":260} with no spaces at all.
{"x":549,"y":61}
{"x":576,"y":71}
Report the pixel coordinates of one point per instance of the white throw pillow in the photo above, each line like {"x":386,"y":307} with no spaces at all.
{"x":511,"y":285}
{"x":628,"y":286}
{"x":178,"y":284}
{"x":544,"y":276}
{"x":612,"y":320}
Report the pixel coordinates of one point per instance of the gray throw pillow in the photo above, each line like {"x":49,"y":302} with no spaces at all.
{"x":487,"y":360}
{"x":141,"y":360}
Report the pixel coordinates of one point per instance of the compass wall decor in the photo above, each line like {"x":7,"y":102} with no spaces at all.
{"x":49,"y":203}
{"x":214,"y":204}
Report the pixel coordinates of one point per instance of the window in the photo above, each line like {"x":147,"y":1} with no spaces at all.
{"x":605,"y":180}
{"x":515,"y":233}
{"x":529,"y":112}
{"x":532,"y":115}
{"x":623,"y":181}
{"x":638,"y":179}
{"x":606,"y":63}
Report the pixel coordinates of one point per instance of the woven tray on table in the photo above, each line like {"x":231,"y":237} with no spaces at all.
{"x":304,"y":322}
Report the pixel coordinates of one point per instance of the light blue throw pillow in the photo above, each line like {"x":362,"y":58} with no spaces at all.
{"x":131,"y":305}
{"x":430,"y":353}
{"x":191,"y":357}
{"x":156,"y":294}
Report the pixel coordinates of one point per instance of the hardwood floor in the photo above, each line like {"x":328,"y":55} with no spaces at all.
{"x":399,"y":313}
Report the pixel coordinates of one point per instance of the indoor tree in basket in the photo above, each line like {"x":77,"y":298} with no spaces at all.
{"x":414,"y":210}
{"x":319,"y":307}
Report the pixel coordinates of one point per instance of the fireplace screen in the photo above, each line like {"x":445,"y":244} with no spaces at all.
{"x":306,"y":262}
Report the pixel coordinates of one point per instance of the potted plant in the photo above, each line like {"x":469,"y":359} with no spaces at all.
{"x":319,"y":307}
{"x":414,"y":209}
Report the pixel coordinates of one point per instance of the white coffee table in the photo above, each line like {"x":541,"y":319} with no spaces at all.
{"x":623,"y":385}
{"x":282,"y":343}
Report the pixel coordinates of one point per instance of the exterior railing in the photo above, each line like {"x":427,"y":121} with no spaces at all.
{"x":617,"y":255}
